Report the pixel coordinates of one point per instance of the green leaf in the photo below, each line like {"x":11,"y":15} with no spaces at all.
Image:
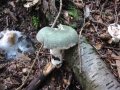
{"x":73,"y":13}
{"x":103,"y":12}
{"x":72,"y":25}
{"x":35,"y":21}
{"x":85,"y":41}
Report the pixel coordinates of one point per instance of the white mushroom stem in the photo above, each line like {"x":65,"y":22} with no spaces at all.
{"x":57,"y":57}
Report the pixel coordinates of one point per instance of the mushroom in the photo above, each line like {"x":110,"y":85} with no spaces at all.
{"x":114,"y":31}
{"x":11,"y":41}
{"x":57,"y":39}
{"x":9,"y":38}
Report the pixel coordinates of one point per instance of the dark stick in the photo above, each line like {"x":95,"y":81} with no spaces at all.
{"x":41,"y":77}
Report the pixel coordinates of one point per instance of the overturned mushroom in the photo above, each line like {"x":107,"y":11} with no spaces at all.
{"x":114,"y":31}
{"x":57,"y":39}
{"x":11,"y":41}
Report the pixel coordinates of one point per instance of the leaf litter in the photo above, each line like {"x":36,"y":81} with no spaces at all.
{"x":14,"y":72}
{"x":99,"y":15}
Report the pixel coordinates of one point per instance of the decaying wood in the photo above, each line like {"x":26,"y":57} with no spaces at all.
{"x":95,"y":75}
{"x":40,"y":78}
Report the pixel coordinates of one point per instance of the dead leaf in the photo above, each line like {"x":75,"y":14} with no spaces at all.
{"x":52,"y":78}
{"x":111,"y":18}
{"x":110,"y":41}
{"x":66,"y":81}
{"x":105,"y":36}
{"x":2,"y":87}
{"x":91,"y":29}
{"x":118,"y":66}
{"x":79,"y":5}
{"x":115,"y":57}
{"x":30,"y":4}
{"x":95,"y":11}
{"x":98,"y":18}
{"x":45,"y":6}
{"x":12,"y":4}
{"x":21,"y":56}
{"x":98,"y":45}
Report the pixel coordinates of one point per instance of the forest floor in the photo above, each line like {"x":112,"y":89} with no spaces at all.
{"x":94,"y":16}
{"x":13,"y":74}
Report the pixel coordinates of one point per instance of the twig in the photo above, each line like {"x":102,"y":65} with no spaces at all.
{"x":19,"y":88}
{"x":69,"y":82}
{"x":102,"y":7}
{"x":58,"y":14}
{"x":98,"y":22}
{"x":79,"y":49}
{"x":116,"y":15}
{"x":95,"y":29}
{"x":118,"y":49}
{"x":11,"y":14}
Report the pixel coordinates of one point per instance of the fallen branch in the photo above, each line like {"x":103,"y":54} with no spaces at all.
{"x":95,"y":75}
{"x":41,"y":77}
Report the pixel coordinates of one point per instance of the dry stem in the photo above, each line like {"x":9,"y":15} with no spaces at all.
{"x":57,"y":15}
{"x":11,"y":14}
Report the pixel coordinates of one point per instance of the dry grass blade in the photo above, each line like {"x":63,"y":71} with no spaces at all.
{"x":58,"y":14}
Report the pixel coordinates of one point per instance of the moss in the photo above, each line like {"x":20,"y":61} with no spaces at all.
{"x":73,"y":26}
{"x":35,"y":21}
{"x":71,"y":60}
{"x":73,"y":13}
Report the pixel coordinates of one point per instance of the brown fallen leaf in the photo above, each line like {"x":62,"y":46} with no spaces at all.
{"x":79,"y":5}
{"x":118,"y":66}
{"x":110,"y":41}
{"x":66,"y":81}
{"x":21,"y":56}
{"x":95,"y":11}
{"x":115,"y":57}
{"x":2,"y":87}
{"x":105,"y":36}
{"x":45,"y":6}
{"x":98,"y":45}
{"x":32,"y":3}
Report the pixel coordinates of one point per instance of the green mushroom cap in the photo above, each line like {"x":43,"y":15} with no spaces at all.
{"x":63,"y":37}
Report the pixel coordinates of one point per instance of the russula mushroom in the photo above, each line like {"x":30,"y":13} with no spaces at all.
{"x":114,"y":31}
{"x":57,"y":39}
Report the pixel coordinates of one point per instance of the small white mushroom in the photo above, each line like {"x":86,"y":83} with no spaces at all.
{"x":57,"y":39}
{"x":114,"y":31}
